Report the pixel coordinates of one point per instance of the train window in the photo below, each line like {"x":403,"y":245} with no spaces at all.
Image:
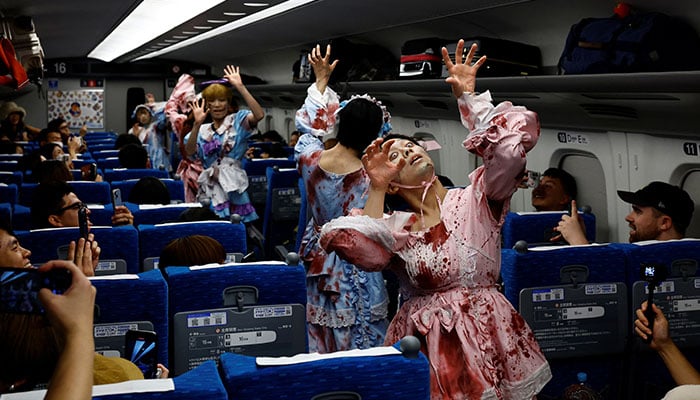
{"x":691,"y":184}
{"x":590,"y":181}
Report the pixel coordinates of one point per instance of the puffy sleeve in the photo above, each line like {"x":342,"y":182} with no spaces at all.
{"x":177,"y":107}
{"x":501,"y":135}
{"x":369,"y":243}
{"x":315,"y":119}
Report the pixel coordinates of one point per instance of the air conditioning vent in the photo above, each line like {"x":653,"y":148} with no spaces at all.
{"x":609,"y":111}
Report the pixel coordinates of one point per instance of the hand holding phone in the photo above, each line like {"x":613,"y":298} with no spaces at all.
{"x":117,"y":198}
{"x":85,"y":253}
{"x":653,"y":274}
{"x":83,"y":222}
{"x":72,"y":311}
{"x":141,"y":349}
{"x":19,"y":288}
{"x":89,"y":172}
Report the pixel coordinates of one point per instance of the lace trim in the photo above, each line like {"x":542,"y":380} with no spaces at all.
{"x":529,"y":387}
{"x":343,"y":318}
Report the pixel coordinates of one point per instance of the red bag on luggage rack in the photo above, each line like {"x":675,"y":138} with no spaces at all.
{"x":13,"y":74}
{"x":421,"y":58}
{"x":504,"y":57}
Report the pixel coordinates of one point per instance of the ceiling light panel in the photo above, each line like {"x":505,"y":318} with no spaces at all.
{"x":147,"y":22}
{"x":254,"y":15}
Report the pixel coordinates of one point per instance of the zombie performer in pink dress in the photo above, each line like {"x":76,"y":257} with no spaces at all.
{"x":447,"y":251}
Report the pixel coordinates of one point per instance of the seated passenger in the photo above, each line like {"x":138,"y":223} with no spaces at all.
{"x":55,"y":205}
{"x":660,"y":211}
{"x":555,"y":191}
{"x":56,"y":170}
{"x":149,"y":190}
{"x":12,"y":254}
{"x":59,"y":349}
{"x":192,"y":250}
{"x":52,"y":149}
{"x":294,"y":138}
{"x":61,"y":126}
{"x":134,"y":156}
{"x":272,"y":136}
{"x":124,"y":139}
{"x":13,"y":126}
{"x":49,"y":136}
{"x":51,"y":171}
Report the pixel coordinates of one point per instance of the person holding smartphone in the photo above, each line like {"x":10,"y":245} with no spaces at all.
{"x":54,"y":343}
{"x":58,"y":346}
{"x":683,"y":373}
{"x":12,"y":254}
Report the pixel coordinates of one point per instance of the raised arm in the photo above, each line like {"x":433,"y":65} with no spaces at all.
{"x":72,"y":316}
{"x":317,"y":115}
{"x":177,"y":106}
{"x":200,"y":114}
{"x":233,"y":76}
{"x":500,"y":134}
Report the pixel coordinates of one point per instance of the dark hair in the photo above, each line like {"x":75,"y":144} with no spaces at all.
{"x":568,"y":182}
{"x":51,"y":171}
{"x":47,"y":150}
{"x":30,"y":348}
{"x":359,"y":123}
{"x":149,"y":190}
{"x":47,"y":199}
{"x":133,"y":156}
{"x":272,"y":136}
{"x":8,"y":147}
{"x":6,"y":225}
{"x":198,"y":214}
{"x":277,"y":150}
{"x":55,"y":124}
{"x":11,"y":132}
{"x":124,"y":139}
{"x":192,"y":250}
{"x":43,"y":135}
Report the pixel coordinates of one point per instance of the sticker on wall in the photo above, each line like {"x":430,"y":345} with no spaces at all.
{"x":78,"y":107}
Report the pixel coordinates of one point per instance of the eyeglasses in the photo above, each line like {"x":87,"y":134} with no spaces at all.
{"x":74,"y":206}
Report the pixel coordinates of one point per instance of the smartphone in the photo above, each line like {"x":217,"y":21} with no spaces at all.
{"x":117,"y":198}
{"x":89,"y":172}
{"x":533,"y":179}
{"x":19,"y":288}
{"x":141,"y":349}
{"x":83,"y":222}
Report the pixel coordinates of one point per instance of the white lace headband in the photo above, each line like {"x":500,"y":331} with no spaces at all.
{"x":386,"y":117}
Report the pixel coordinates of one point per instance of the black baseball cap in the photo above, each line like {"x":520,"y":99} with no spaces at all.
{"x":668,"y":199}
